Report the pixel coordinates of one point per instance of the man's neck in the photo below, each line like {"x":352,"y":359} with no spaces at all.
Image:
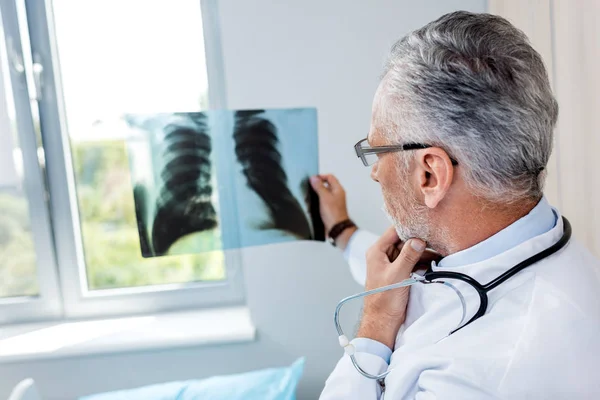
{"x":482,"y":221}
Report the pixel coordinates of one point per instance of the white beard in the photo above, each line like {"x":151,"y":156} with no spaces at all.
{"x":416,"y":225}
{"x":402,"y":231}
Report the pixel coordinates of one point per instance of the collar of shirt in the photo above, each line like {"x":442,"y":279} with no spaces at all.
{"x":540,"y":220}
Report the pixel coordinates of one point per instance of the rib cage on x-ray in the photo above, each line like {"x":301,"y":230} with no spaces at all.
{"x":256,"y":150}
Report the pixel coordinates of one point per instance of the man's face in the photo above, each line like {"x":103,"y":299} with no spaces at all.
{"x":398,"y":181}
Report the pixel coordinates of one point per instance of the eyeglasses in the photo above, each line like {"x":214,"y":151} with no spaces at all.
{"x":368,"y":154}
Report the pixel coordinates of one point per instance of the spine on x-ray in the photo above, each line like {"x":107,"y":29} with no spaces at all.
{"x":184,"y":205}
{"x":256,"y":149}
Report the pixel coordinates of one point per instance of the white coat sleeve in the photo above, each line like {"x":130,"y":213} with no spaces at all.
{"x":355,"y":254}
{"x":346,"y":383}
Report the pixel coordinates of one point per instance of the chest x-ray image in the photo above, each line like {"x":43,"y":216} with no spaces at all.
{"x":216,"y":180}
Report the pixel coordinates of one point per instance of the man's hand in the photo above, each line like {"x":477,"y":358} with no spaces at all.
{"x":384,"y":313}
{"x":332,"y":203}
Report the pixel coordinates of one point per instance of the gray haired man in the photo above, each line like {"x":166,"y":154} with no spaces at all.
{"x":461,"y":133}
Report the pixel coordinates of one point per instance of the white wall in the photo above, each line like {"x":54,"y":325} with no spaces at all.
{"x":326,"y":54}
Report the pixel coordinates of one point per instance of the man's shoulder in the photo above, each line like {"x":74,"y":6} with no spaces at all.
{"x":569,"y":281}
{"x":559,"y":338}
{"x":555,"y":338}
{"x":564,"y":307}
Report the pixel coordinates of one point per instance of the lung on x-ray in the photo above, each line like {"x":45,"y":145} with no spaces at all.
{"x":216,"y":180}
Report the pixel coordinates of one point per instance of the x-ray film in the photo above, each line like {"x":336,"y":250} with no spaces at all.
{"x":216,"y":180}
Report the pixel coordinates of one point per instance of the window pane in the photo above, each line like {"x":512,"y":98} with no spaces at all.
{"x":18,"y":276}
{"x":119,"y":57}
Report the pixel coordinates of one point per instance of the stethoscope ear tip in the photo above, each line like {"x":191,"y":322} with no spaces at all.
{"x":345,"y":343}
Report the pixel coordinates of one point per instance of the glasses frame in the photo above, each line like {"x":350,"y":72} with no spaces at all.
{"x":361,"y":151}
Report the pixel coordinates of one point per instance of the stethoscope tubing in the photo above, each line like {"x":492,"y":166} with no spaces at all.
{"x":436,"y":277}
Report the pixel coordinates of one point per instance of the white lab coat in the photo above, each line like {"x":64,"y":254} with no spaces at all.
{"x":540,"y":337}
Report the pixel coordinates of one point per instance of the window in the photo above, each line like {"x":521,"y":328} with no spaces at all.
{"x":18,"y":276}
{"x":158,"y":66}
{"x":82,"y":66}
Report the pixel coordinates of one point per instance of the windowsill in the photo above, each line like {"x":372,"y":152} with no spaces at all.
{"x":159,"y":331}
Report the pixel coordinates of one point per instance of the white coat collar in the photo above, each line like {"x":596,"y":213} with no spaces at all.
{"x":488,"y":269}
{"x":538,"y":221}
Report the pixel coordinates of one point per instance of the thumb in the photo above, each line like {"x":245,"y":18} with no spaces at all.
{"x":317,"y":184}
{"x":410,"y":254}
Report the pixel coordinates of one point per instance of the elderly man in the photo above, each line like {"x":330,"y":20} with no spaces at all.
{"x":467,"y":114}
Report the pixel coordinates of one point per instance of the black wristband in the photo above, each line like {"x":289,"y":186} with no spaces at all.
{"x":338,"y":228}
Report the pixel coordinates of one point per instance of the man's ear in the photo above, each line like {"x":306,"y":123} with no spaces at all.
{"x":436,"y":174}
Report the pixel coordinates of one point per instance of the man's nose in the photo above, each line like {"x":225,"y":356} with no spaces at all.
{"x":374,"y":172}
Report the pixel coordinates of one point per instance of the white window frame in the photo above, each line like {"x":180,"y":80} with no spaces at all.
{"x":76,"y":300}
{"x":15,"y":95}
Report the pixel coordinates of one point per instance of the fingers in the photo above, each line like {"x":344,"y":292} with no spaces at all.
{"x":326,"y":182}
{"x":333,"y":183}
{"x":426,"y":257}
{"x":410,"y":254}
{"x":318,"y":185}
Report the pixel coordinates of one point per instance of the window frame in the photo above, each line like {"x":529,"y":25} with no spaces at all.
{"x":77,"y":301}
{"x":47,"y":304}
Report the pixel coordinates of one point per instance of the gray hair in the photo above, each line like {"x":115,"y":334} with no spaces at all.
{"x":473,"y":85}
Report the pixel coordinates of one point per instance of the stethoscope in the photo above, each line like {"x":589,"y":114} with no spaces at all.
{"x":431,"y":277}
